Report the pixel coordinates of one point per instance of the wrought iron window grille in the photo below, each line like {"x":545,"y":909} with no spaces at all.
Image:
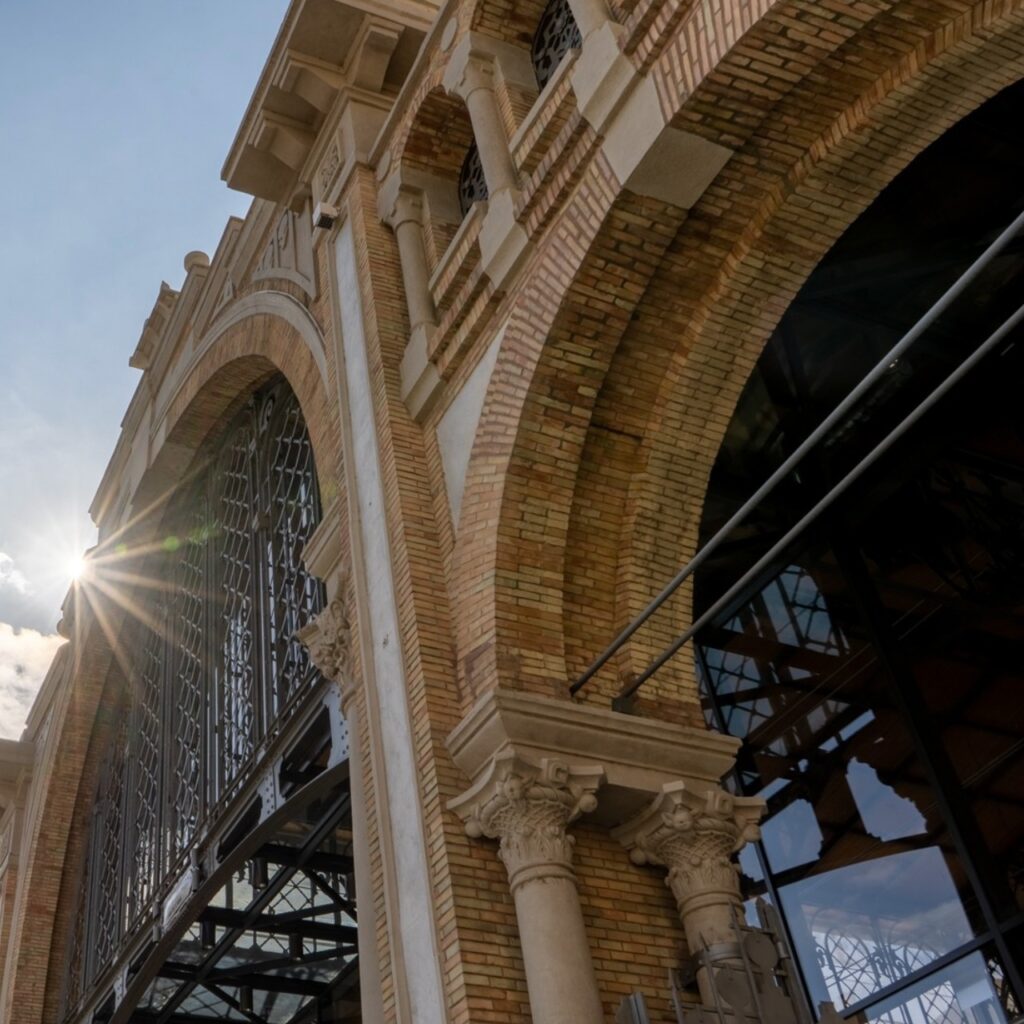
{"x":556,"y":35}
{"x":472,"y":182}
{"x":215,"y":671}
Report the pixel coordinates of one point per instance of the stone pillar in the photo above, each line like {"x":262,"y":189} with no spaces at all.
{"x":695,"y":834}
{"x":406,"y":219}
{"x":474,"y":82}
{"x":328,"y":638}
{"x":590,"y":15}
{"x":528,"y":808}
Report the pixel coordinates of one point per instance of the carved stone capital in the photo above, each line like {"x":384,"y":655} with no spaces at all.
{"x":694,"y":834}
{"x":528,"y":807}
{"x":469,"y":72}
{"x":406,"y":206}
{"x":328,"y":638}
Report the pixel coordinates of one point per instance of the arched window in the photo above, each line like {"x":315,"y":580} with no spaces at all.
{"x":874,"y":674}
{"x":213,"y":677}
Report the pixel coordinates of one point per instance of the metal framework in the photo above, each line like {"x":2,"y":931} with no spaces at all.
{"x":214,"y":679}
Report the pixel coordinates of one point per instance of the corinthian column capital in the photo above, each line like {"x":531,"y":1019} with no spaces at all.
{"x":694,"y":834}
{"x":328,"y":638}
{"x":529,"y":807}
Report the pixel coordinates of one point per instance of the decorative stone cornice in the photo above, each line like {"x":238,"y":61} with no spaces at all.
{"x":694,"y":834}
{"x":528,"y":807}
{"x":328,"y":638}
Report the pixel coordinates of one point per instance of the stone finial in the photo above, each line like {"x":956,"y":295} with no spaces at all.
{"x":694,"y":834}
{"x":328,"y":638}
{"x":528,"y":807}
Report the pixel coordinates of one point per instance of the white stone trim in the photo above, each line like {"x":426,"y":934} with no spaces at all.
{"x":410,"y":904}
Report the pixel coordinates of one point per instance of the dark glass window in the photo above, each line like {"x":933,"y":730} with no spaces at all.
{"x":875,"y":673}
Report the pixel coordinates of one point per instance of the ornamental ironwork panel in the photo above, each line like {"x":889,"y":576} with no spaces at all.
{"x":105,"y":916}
{"x":556,"y":35}
{"x":293,"y":593}
{"x":186,"y":704}
{"x":212,"y":668}
{"x":472,"y":182}
{"x":144,"y":755}
{"x":235,"y":515}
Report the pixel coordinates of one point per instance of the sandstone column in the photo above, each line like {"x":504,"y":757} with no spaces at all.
{"x":694,"y":834}
{"x":528,"y":807}
{"x":475,"y":84}
{"x":406,"y":219}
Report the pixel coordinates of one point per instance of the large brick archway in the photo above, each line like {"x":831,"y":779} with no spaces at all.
{"x":236,"y":361}
{"x":621,"y":365}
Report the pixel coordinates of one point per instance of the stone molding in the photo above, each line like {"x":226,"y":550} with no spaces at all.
{"x":529,"y":807}
{"x":638,"y":755}
{"x":328,"y":638}
{"x":694,"y":834}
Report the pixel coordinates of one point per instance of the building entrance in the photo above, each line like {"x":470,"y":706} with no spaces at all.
{"x":875,"y":673}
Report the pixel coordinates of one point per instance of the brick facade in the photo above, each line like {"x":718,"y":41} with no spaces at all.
{"x":629,"y":325}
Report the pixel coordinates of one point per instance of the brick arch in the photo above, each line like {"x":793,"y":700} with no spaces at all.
{"x":238,"y":360}
{"x":722,"y":313}
{"x":596,"y":428}
{"x":49,"y":878}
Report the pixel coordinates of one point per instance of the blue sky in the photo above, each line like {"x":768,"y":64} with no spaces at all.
{"x":115,"y":117}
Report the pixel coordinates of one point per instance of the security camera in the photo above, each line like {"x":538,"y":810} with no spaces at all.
{"x":324,"y":215}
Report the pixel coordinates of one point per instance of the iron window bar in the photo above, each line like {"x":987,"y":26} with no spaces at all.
{"x":990,"y":343}
{"x":792,"y":461}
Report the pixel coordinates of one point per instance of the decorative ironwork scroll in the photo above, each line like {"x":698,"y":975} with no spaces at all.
{"x":556,"y":35}
{"x":472,"y":183}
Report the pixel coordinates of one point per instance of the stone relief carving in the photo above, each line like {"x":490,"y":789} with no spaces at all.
{"x":289,"y":253}
{"x":328,"y":638}
{"x":528,"y":807}
{"x":694,"y":835}
{"x":329,"y":168}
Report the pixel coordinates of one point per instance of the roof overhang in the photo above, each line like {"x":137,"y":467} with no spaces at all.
{"x":324,"y":48}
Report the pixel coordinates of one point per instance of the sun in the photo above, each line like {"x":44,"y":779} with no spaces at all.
{"x":77,"y":568}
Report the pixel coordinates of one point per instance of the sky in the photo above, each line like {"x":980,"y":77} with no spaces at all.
{"x":115,"y":119}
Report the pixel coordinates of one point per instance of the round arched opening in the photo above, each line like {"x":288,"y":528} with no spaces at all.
{"x":218,"y":874}
{"x":873,"y":670}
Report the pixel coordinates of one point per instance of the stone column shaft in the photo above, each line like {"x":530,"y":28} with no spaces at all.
{"x":476,"y":87}
{"x":328,"y":638}
{"x":407,"y":222}
{"x":694,"y":835}
{"x":529,"y":808}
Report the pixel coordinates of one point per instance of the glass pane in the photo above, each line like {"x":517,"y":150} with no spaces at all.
{"x":855,"y":839}
{"x":970,"y":991}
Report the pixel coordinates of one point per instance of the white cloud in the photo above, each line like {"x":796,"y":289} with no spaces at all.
{"x":25,"y":655}
{"x":11,"y":577}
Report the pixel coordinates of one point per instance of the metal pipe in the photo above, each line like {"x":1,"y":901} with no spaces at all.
{"x":880,"y":369}
{"x":869,"y":460}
